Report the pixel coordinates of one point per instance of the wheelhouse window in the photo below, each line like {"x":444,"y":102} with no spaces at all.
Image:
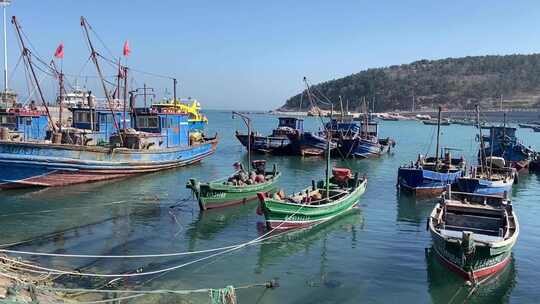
{"x":147,"y":122}
{"x":83,"y":117}
{"x":7,"y":120}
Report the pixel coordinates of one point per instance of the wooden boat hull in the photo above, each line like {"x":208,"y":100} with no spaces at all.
{"x":362,"y":148}
{"x":283,"y":215}
{"x":267,"y":144}
{"x":216,"y":195}
{"x":25,"y":164}
{"x":425,"y":182}
{"x":489,"y":253}
{"x":308,"y":144}
{"x":491,"y":266}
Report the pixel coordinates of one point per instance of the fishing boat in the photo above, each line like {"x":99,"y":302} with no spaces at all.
{"x":463,"y":122}
{"x":423,"y":117}
{"x":431,"y":175}
{"x":473,"y":234}
{"x":278,"y":142}
{"x":319,"y":203}
{"x":529,"y":125}
{"x":432,"y":122}
{"x":491,"y":176}
{"x":309,"y":144}
{"x":240,"y":187}
{"x":489,"y":179}
{"x":358,"y":140}
{"x":196,"y":121}
{"x":159,"y":140}
{"x":503,"y":142}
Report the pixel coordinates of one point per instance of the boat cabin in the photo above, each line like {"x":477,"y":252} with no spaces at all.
{"x":163,"y":129}
{"x":24,"y":124}
{"x":288,"y":125}
{"x":102,"y":120}
{"x":351,"y":127}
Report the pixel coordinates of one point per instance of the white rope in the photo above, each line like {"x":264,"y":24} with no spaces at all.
{"x":137,"y":274}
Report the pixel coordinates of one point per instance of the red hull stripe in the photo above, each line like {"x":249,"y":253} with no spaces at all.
{"x":478,"y":273}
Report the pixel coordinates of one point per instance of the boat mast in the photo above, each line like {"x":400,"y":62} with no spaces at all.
{"x":174,"y":90}
{"x":125,"y":74}
{"x":366,"y":119}
{"x":328,"y":139}
{"x":26,"y":55}
{"x":247,"y":121}
{"x":438,"y":135}
{"x":4,"y":4}
{"x":60,"y":76}
{"x":482,"y":147}
{"x":93,"y":55}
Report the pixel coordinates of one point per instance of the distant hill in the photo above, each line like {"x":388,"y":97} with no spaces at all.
{"x":455,"y":83}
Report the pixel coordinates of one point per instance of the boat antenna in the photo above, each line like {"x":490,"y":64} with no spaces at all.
{"x":93,"y":55}
{"x":247,"y":121}
{"x":27,"y":55}
{"x":438,"y":135}
{"x":5,"y":3}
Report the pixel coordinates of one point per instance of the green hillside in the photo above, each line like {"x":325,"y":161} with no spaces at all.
{"x":456,"y":83}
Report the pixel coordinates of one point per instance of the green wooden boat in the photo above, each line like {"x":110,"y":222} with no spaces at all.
{"x":316,"y":204}
{"x":473,"y":234}
{"x":221,"y":193}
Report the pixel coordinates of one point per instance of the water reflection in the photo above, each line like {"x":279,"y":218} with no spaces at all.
{"x":412,"y":211}
{"x":446,"y":287}
{"x":210,"y":223}
{"x":302,"y":240}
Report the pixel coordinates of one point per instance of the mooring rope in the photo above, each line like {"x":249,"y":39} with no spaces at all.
{"x":137,"y":274}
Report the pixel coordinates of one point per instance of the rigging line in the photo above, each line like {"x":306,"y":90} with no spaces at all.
{"x":15,"y":68}
{"x":114,"y":63}
{"x":99,"y":38}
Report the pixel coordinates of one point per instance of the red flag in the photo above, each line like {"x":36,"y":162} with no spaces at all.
{"x":59,"y":53}
{"x":126,"y":49}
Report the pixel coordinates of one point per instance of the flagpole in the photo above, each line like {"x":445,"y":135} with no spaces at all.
{"x":4,"y":4}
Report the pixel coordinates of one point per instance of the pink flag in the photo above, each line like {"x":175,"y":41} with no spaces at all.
{"x":59,"y":53}
{"x":126,"y":49}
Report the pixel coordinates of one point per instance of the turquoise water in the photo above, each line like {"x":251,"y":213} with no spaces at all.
{"x":375,"y":254}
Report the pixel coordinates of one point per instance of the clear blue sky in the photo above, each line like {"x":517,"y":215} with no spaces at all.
{"x":253,"y":54}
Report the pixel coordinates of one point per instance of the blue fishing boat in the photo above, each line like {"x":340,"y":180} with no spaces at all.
{"x":491,"y":176}
{"x":160,"y":139}
{"x":503,"y":142}
{"x":358,"y":140}
{"x":278,"y":143}
{"x":309,"y":144}
{"x":431,"y":175}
